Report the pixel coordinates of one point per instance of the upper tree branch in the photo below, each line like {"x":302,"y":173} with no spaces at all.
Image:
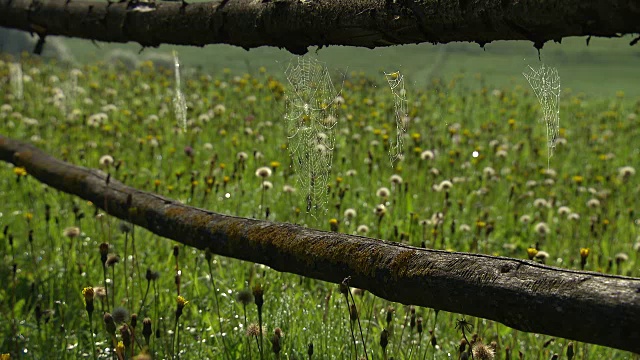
{"x":296,"y":24}
{"x":583,"y":306}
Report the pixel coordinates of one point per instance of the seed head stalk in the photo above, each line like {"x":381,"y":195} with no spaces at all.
{"x":215,"y":293}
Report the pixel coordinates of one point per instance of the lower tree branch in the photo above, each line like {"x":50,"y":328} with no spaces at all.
{"x":524,"y":295}
{"x":298,"y":24}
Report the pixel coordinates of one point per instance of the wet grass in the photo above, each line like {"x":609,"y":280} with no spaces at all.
{"x":507,"y":200}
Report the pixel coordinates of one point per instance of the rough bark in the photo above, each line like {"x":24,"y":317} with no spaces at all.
{"x":525,"y":295}
{"x":298,"y":24}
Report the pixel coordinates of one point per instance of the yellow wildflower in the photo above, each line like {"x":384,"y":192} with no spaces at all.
{"x":20,"y":171}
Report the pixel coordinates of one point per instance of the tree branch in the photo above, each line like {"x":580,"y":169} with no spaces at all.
{"x":524,"y":295}
{"x":298,"y":24}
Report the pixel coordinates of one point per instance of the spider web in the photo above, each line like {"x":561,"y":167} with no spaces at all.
{"x":311,"y":121}
{"x":400,"y":106}
{"x":545,"y":83}
{"x":179,"y":102}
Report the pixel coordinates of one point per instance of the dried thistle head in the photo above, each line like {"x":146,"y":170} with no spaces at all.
{"x":482,"y":351}
{"x":253,"y":330}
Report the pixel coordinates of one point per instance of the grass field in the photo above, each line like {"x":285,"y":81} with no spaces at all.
{"x":475,"y":177}
{"x":600,"y":69}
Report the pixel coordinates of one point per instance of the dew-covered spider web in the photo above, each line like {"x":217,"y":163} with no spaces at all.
{"x":545,"y":83}
{"x":311,"y":118}
{"x":179,"y":102}
{"x":400,"y":107}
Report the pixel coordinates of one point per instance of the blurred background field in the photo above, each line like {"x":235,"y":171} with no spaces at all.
{"x":601,"y":68}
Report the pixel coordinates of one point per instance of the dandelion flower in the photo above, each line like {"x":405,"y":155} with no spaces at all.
{"x":242,"y":156}
{"x":112,"y":259}
{"x":621,"y":257}
{"x":525,"y":219}
{"x":106,"y":161}
{"x":465,"y":228}
{"x":288,"y":189}
{"x":539,"y":203}
{"x":593,"y":203}
{"x":267,"y":185}
{"x":363,"y":229}
{"x":564,"y":210}
{"x":542,"y":256}
{"x":245,"y":297}
{"x":19,"y":171}
{"x":120,"y":315}
{"x":219,"y":109}
{"x":573,"y":216}
{"x":396,"y":179}
{"x":99,"y":292}
{"x":445,"y":185}
{"x":542,"y":228}
{"x":626,"y":172}
{"x":383,"y":192}
{"x":427,"y":155}
{"x":71,"y":232}
{"x":351,"y":173}
{"x":350,"y":213}
{"x":488,"y":171}
{"x":380,"y":210}
{"x":263,"y":172}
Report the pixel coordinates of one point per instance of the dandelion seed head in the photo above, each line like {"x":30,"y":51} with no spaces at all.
{"x":396,"y":179}
{"x":427,"y":155}
{"x":71,"y":232}
{"x":541,"y":228}
{"x":383,"y":192}
{"x":350,"y":214}
{"x":626,"y":172}
{"x":488,"y":172}
{"x":362,"y":229}
{"x":106,"y":161}
{"x":242,"y":156}
{"x":445,"y":185}
{"x":267,"y":185}
{"x":539,"y":203}
{"x":263,"y":172}
{"x":593,"y":203}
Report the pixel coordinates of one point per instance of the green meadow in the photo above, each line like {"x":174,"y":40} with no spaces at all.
{"x":475,"y":176}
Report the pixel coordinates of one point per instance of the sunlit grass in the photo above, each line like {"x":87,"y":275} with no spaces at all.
{"x":506,"y":201}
